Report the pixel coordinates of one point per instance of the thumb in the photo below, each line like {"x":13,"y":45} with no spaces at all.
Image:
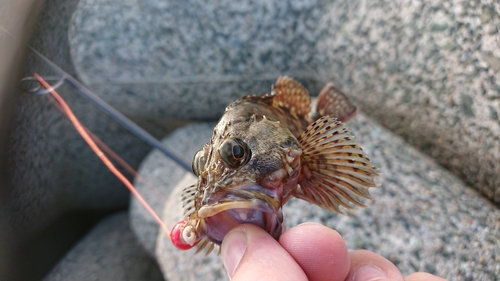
{"x":250,"y":253}
{"x":366,"y":266}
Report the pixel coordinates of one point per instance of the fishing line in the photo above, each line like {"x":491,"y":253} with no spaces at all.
{"x":113,"y":113}
{"x":40,"y":90}
{"x":60,"y":103}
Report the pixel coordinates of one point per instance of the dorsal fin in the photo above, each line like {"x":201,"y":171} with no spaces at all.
{"x":335,"y":170}
{"x":332,"y":102}
{"x":288,"y":93}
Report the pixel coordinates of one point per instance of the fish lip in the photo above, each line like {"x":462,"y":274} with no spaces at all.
{"x":246,"y":196}
{"x":256,"y":204}
{"x":241,"y":204}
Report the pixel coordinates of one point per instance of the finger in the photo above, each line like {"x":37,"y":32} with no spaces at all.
{"x":319,"y":250}
{"x":422,"y":276}
{"x":366,"y":265}
{"x":250,"y":253}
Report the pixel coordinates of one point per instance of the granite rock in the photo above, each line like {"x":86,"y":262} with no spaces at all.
{"x":428,"y":71}
{"x":51,"y":170}
{"x":433,"y":66}
{"x":423,"y":218}
{"x":109,"y":252}
{"x":48,"y":171}
{"x":189,"y":59}
{"x":29,"y":200}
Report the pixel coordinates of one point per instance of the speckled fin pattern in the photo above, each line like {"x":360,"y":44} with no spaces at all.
{"x":336,"y":171}
{"x":288,"y":93}
{"x":333,"y":102}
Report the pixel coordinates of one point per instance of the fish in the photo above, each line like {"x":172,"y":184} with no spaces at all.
{"x":266,"y":149}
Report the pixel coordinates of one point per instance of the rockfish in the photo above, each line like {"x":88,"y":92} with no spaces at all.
{"x":266,"y":149}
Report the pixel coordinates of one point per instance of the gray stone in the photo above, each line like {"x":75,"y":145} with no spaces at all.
{"x":32,"y":145}
{"x":51,"y":170}
{"x":422,"y":219}
{"x":109,"y":252}
{"x":47,"y":170}
{"x":189,"y":59}
{"x":429,"y":72}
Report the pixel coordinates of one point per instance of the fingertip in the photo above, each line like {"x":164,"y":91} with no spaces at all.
{"x":319,"y":250}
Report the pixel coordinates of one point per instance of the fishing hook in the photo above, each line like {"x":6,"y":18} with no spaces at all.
{"x":31,"y":85}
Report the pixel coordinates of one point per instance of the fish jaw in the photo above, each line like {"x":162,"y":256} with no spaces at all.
{"x":247,"y":203}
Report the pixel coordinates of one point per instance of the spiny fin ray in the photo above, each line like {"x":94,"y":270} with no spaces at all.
{"x":205,"y":244}
{"x":288,"y":93}
{"x":336,"y":171}
{"x":188,"y":200}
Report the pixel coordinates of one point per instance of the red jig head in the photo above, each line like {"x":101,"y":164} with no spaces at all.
{"x":182,"y":236}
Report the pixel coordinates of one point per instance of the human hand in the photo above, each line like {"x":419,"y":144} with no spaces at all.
{"x":308,"y":251}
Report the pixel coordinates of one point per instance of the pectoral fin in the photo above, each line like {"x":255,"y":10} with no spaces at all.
{"x":335,"y":171}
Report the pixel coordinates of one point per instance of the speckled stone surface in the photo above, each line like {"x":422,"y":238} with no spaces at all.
{"x":189,"y":59}
{"x":109,"y":252}
{"x":422,"y":219}
{"x":51,"y":170}
{"x":428,"y":71}
{"x":30,"y":201}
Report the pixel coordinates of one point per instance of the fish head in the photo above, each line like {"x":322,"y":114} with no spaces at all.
{"x":245,"y":174}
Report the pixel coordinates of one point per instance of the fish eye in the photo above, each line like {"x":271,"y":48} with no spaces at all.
{"x":198,"y":162}
{"x":234,"y":152}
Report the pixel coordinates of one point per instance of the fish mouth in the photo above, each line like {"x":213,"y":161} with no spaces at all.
{"x":249,"y":203}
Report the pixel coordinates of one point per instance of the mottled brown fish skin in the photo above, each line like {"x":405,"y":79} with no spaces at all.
{"x":244,"y":108}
